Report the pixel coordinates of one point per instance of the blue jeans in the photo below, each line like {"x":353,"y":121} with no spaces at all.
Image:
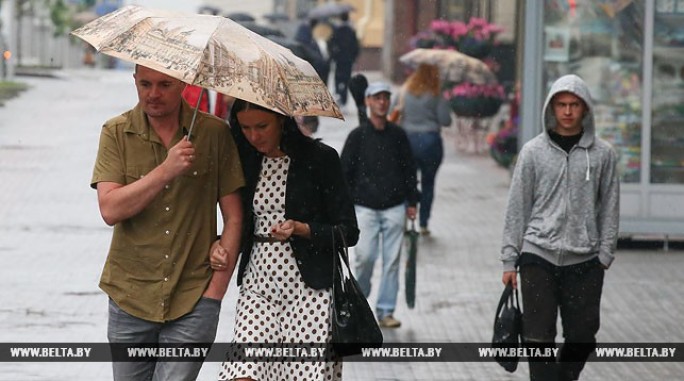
{"x":381,"y":231}
{"x":428,"y":152}
{"x":198,"y":326}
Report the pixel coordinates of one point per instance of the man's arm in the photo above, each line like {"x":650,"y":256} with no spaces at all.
{"x":518,"y":210}
{"x":229,"y":245}
{"x":119,"y":202}
{"x":609,"y":209}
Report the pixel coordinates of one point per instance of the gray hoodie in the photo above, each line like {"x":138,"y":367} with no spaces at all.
{"x":563,"y":207}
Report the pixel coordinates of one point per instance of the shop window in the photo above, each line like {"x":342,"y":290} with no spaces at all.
{"x":458,"y":9}
{"x":602,"y":42}
{"x":667,"y":116}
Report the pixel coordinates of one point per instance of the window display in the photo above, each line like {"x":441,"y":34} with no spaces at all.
{"x":602,"y":41}
{"x":667,"y":136}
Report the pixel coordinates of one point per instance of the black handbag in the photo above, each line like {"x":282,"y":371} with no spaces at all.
{"x":353,"y":323}
{"x":507,"y":327}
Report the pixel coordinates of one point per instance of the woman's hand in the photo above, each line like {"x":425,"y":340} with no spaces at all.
{"x":218,"y":257}
{"x":285,"y":230}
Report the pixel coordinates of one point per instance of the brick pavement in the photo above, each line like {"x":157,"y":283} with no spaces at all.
{"x":53,"y":244}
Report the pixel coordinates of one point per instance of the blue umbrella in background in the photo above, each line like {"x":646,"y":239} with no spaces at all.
{"x":328,"y":10}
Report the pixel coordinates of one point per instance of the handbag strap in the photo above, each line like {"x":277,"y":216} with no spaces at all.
{"x":338,"y":283}
{"x":506,"y":295}
{"x":516,"y":301}
{"x":337,"y":254}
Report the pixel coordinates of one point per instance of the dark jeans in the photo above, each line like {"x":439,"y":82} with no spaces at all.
{"x":343,"y":72}
{"x":198,"y":326}
{"x":428,"y":152}
{"x":575,"y":291}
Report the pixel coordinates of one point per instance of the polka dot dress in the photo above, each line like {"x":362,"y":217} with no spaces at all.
{"x":275,"y":306}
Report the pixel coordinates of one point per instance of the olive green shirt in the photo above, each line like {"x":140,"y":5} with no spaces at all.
{"x":158,"y":263}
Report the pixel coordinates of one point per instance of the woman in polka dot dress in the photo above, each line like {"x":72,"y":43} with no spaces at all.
{"x":295,"y":193}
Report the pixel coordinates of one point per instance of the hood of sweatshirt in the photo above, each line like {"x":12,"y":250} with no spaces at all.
{"x":571,"y":83}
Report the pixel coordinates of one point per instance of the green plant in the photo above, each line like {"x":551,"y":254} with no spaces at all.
{"x":9,"y":90}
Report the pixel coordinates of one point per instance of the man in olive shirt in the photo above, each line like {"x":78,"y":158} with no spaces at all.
{"x":159,"y":189}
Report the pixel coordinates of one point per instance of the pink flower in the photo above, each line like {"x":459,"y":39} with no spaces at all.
{"x":469,"y":90}
{"x":476,"y":22}
{"x":444,"y":34}
{"x":440,"y":26}
{"x":458,"y":29}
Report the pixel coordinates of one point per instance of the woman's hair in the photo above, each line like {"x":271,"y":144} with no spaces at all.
{"x":424,"y":80}
{"x":290,"y":139}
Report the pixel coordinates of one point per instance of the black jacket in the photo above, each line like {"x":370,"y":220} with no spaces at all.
{"x":344,"y":46}
{"x":379,"y":166}
{"x":316,"y":193}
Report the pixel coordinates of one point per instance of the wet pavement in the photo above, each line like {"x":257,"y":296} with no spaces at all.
{"x":53,"y":245}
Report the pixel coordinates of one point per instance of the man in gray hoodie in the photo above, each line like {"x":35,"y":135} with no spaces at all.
{"x":561,"y":229}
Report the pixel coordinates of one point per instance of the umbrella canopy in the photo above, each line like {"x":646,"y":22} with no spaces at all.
{"x":213,"y":52}
{"x":296,"y":47}
{"x":454,"y":66}
{"x":327,"y":10}
{"x":276,"y":16}
{"x":262,"y":30}
{"x":241,"y":17}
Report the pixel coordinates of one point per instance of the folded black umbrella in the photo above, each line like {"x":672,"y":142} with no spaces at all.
{"x":411,"y":236}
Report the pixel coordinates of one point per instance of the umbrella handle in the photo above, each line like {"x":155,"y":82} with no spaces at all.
{"x":194,"y":114}
{"x":413,"y":225}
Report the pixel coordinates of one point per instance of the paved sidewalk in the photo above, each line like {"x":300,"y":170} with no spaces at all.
{"x":53,"y":245}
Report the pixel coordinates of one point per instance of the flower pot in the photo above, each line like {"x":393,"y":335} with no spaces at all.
{"x":475,"y":107}
{"x":475,"y":48}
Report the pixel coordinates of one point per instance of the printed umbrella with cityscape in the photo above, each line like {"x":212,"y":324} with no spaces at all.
{"x":213,"y":52}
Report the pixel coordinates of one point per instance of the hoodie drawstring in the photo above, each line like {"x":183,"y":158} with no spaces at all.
{"x":586,"y":152}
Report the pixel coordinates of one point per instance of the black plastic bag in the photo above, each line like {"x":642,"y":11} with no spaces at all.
{"x":508,"y":327}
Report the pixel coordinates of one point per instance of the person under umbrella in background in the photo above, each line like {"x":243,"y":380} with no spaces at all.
{"x":295,"y":195}
{"x":159,"y":191}
{"x":561,"y":229}
{"x":344,"y":50}
{"x":381,"y":173}
{"x":424,"y":111}
{"x":314,"y":35}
